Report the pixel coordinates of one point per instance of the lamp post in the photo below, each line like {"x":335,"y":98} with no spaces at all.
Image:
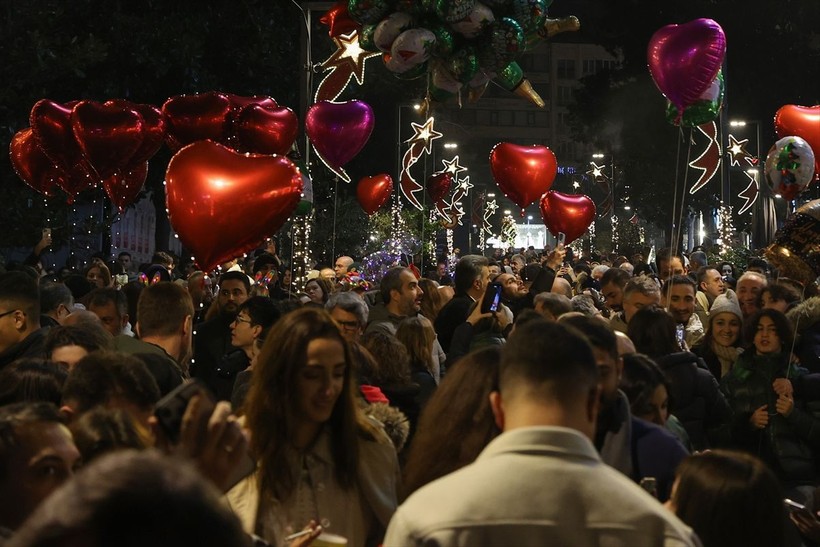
{"x":764,"y":214}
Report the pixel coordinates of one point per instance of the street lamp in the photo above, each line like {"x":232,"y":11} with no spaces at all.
{"x":450,"y":145}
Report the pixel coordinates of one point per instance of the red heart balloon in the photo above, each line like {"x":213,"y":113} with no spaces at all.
{"x":523,"y":173}
{"x":51,"y":127}
{"x":108,"y":134}
{"x":153,"y":129}
{"x":568,"y":213}
{"x":124,"y":186}
{"x":222,"y":203}
{"x":374,"y":191}
{"x":339,"y":131}
{"x":191,"y":118}
{"x":238,"y":102}
{"x":338,"y":19}
{"x":438,"y":186}
{"x":801,"y":121}
{"x":266,"y":130}
{"x":31,"y":164}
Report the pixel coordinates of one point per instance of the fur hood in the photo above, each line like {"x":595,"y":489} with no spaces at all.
{"x":805,"y":315}
{"x":395,"y":423}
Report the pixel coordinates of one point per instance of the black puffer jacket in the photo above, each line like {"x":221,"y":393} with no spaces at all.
{"x":787,"y":444}
{"x":695,"y":396}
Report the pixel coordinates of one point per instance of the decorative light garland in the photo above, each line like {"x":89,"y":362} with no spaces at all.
{"x":300,"y":241}
{"x":726,"y":228}
{"x":615,"y":234}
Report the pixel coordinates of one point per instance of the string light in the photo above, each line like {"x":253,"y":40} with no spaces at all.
{"x":726,"y":228}
{"x":300,"y":242}
{"x":615,"y":235}
{"x":509,"y":231}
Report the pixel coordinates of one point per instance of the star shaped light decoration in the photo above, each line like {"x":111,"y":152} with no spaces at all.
{"x":452,"y":166}
{"x":425,"y":134}
{"x":737,"y":151}
{"x":749,"y":193}
{"x":575,"y":184}
{"x":346,"y":62}
{"x":464,"y":185}
{"x":492,"y":207}
{"x":597,"y":171}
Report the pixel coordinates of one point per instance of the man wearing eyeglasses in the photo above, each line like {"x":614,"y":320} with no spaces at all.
{"x":20,"y":332}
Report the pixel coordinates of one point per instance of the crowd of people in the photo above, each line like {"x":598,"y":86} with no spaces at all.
{"x":600,"y":400}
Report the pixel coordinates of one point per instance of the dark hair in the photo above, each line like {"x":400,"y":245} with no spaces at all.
{"x":552,"y":358}
{"x":730,"y":499}
{"x":103,"y":430}
{"x":272,"y":399}
{"x":640,"y":378}
{"x":20,"y":414}
{"x":162,"y":308}
{"x":653,"y":331}
{"x":617,"y":276}
{"x":266,"y":259}
{"x":525,"y":316}
{"x":89,"y":336}
{"x":53,"y":295}
{"x":132,"y":291}
{"x":667,"y":254}
{"x":678,"y":280}
{"x":468,"y":269}
{"x":20,"y":291}
{"x":392,"y":358}
{"x":101,"y":375}
{"x":780,"y":291}
{"x":105,"y":273}
{"x":236,"y":276}
{"x":391,"y":281}
{"x":351,"y":303}
{"x":262,"y":311}
{"x":78,"y":285}
{"x":32,"y":379}
{"x":162,"y":258}
{"x":98,"y":507}
{"x":105,"y":295}
{"x":598,"y":332}
{"x":457,"y":422}
{"x":782,"y":325}
{"x":702,"y":274}
{"x":124,"y":253}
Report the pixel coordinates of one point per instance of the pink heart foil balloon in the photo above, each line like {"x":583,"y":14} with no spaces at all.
{"x":339,"y":131}
{"x":684,"y":59}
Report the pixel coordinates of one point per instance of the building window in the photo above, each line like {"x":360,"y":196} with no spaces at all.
{"x":564,"y":95}
{"x":531,"y":118}
{"x":566,"y":69}
{"x":494,"y":117}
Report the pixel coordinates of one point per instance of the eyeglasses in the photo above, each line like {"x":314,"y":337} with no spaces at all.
{"x":349,"y":325}
{"x":7,"y":313}
{"x":238,"y":319}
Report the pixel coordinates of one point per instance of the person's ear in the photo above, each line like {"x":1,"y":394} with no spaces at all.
{"x":67,"y":413}
{"x":497,"y":407}
{"x":187,"y":324}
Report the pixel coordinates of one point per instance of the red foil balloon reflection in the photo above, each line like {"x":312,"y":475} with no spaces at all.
{"x":568,"y":213}
{"x":266,"y":129}
{"x":373,"y":192}
{"x":523,"y":173}
{"x":191,"y":118}
{"x":31,"y":164}
{"x":222,"y":203}
{"x":109,"y":134}
{"x":124,"y":186}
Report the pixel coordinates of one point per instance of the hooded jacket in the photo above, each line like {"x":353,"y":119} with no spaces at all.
{"x":805,"y":319}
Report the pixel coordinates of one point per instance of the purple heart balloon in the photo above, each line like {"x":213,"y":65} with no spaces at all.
{"x":684,"y":59}
{"x":339,"y":131}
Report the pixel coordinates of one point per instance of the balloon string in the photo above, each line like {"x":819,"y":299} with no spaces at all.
{"x":675,"y":195}
{"x":335,"y":207}
{"x":685,"y":184}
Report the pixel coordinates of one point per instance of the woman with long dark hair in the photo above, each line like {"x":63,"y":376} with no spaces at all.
{"x":318,"y":457}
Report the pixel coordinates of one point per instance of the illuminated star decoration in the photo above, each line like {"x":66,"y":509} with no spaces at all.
{"x":709,"y":161}
{"x":737,"y":151}
{"x":597,"y":171}
{"x":749,"y":193}
{"x":454,"y":208}
{"x":598,"y":175}
{"x":346,"y":62}
{"x":420,"y":143}
{"x":489,"y":210}
{"x":452,"y":166}
{"x":575,"y":184}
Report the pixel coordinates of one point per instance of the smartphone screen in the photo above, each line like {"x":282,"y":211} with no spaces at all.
{"x":492,"y":298}
{"x":562,"y":237}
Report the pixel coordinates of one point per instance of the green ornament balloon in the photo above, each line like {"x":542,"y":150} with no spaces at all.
{"x":444,"y":42}
{"x":530,"y":14}
{"x":463,"y":64}
{"x":416,"y":72}
{"x":702,"y":111}
{"x":366,"y":38}
{"x":505,"y":43}
{"x":443,"y":85}
{"x":368,"y":12}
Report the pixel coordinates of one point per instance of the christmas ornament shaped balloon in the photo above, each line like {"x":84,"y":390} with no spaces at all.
{"x":373,"y":192}
{"x":789,"y":167}
{"x":568,"y":213}
{"x":339,"y":131}
{"x":795,"y":252}
{"x":685,"y":59}
{"x":523,"y":173}
{"x":803,"y":122}
{"x":222,"y":204}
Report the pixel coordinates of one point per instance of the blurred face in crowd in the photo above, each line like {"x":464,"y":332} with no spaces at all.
{"x":748,"y":291}
{"x":68,"y":356}
{"x":351,"y":329}
{"x":680,"y":302}
{"x":95,"y":276}
{"x":656,"y":408}
{"x":766,"y":338}
{"x":512,"y":286}
{"x":314,"y":292}
{"x":770,"y":303}
{"x":668,"y":268}
{"x":232,"y":294}
{"x":328,"y":274}
{"x":517,"y":266}
{"x":43,"y":459}
{"x":614,"y":295}
{"x":341,"y":266}
{"x":713,"y":284}
{"x":243,"y":331}
{"x":725,"y":328}
{"x":609,"y":375}
{"x":408,"y":297}
{"x":635,"y":301}
{"x":125,"y":260}
{"x":494,"y":269}
{"x":112,"y":321}
{"x":320,"y":381}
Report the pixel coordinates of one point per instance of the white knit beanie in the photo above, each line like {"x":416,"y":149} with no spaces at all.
{"x":726,"y":302}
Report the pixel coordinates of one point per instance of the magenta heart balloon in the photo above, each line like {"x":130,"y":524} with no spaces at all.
{"x":339,"y":131}
{"x":684,"y":59}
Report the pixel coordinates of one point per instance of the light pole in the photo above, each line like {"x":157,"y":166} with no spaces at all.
{"x":764,"y":213}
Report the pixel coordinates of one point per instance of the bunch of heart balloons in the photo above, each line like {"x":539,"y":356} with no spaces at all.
{"x":526,"y":173}
{"x":684,"y":61}
{"x":457,"y":44}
